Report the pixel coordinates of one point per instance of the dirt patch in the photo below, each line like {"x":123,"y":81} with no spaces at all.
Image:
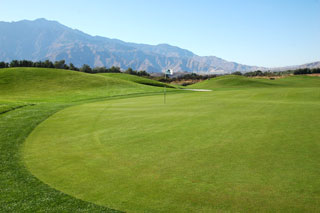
{"x":314,"y":74}
{"x":271,"y":77}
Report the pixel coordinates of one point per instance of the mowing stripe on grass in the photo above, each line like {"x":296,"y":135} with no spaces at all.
{"x":231,"y":150}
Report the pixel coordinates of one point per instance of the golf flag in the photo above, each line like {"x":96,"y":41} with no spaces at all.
{"x":169,"y":72}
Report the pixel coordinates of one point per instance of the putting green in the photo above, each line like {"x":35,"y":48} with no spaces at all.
{"x":230,"y":150}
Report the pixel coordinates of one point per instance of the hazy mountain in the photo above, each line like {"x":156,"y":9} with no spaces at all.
{"x":42,"y":39}
{"x":308,"y":65}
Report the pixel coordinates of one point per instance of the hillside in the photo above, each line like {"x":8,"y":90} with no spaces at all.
{"x":136,"y":79}
{"x":42,"y":39}
{"x":234,"y":81}
{"x":56,"y":84}
{"x":308,"y":65}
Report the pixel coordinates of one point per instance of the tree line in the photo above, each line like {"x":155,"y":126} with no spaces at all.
{"x":306,"y":71}
{"x":265,"y":73}
{"x":62,"y":65}
{"x":279,"y":73}
{"x":192,"y":76}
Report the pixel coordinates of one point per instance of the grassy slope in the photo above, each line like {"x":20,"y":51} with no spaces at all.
{"x":233,"y":81}
{"x":9,"y":106}
{"x":27,"y":97}
{"x":136,"y":79}
{"x":240,"y":148}
{"x":40,"y":84}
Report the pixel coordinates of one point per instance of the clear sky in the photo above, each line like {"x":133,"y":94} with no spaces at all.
{"x":267,"y":33}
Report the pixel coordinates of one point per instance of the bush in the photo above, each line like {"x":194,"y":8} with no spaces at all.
{"x":86,"y":68}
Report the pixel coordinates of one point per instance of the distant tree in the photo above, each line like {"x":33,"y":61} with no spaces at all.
{"x":66,"y":67}
{"x":100,"y":70}
{"x":60,"y":64}
{"x":14,"y":63}
{"x":302,"y":71}
{"x":143,"y":73}
{"x":4,"y":64}
{"x":72,"y":67}
{"x":316,"y":70}
{"x":86,"y":68}
{"x":114,"y":69}
{"x":48,"y":64}
{"x":237,"y":73}
{"x":26,"y":63}
{"x":259,"y":73}
{"x":38,"y":64}
{"x":255,"y":73}
{"x":130,"y":71}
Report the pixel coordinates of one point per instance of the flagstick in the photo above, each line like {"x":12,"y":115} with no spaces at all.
{"x":165,"y":88}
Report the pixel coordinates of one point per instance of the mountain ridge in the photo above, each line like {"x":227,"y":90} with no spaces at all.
{"x":43,"y":39}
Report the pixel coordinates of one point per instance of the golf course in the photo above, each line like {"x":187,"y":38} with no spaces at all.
{"x":78,"y":142}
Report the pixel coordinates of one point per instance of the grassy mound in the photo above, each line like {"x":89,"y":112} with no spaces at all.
{"x":234,"y":81}
{"x":29,"y":96}
{"x":54,"y":84}
{"x":136,"y":79}
{"x":247,"y":150}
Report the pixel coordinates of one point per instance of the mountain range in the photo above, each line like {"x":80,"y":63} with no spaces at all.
{"x":42,"y":39}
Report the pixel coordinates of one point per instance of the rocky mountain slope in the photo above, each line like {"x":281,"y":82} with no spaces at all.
{"x":42,"y":39}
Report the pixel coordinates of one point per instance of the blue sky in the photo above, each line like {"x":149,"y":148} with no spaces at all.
{"x":267,"y":33}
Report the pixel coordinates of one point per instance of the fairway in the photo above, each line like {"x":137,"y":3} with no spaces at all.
{"x":245,"y":146}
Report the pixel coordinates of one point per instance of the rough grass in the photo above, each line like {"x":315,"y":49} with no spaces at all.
{"x":240,"y":148}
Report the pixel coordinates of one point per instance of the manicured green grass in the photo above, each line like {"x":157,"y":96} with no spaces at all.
{"x":43,"y":85}
{"x":136,"y":79}
{"x":19,"y":190}
{"x":238,"y":82}
{"x":251,"y":145}
{"x":9,"y":106}
{"x":28,"y":96}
